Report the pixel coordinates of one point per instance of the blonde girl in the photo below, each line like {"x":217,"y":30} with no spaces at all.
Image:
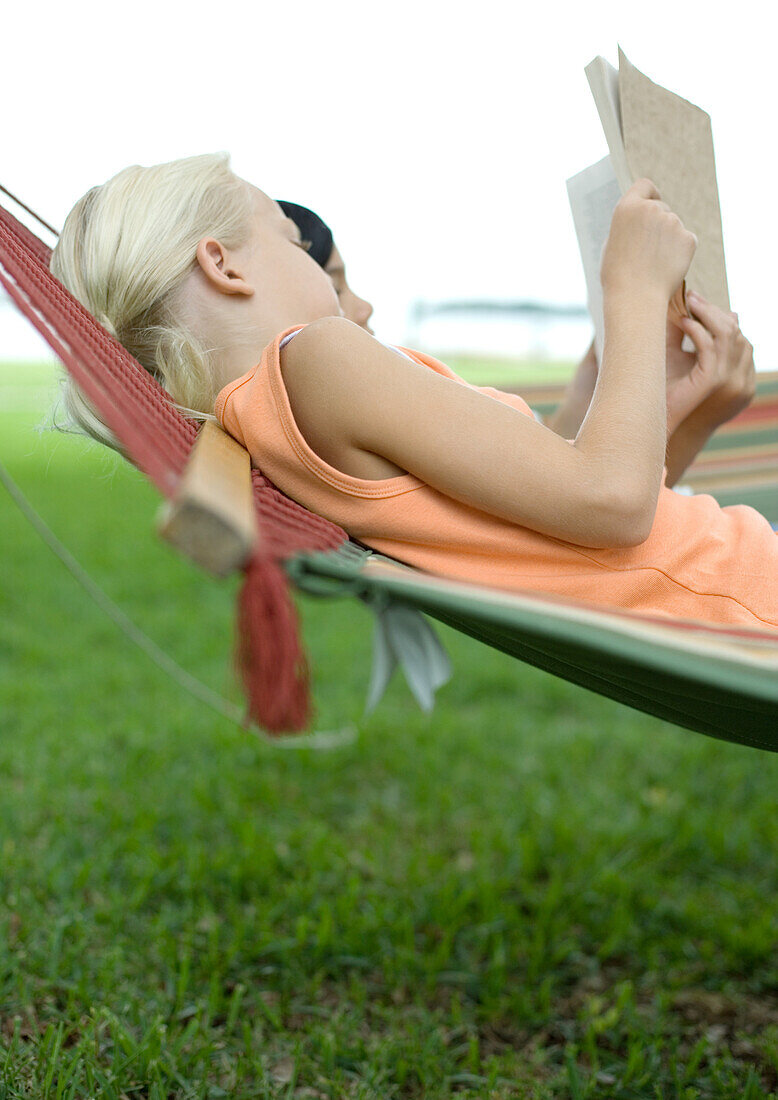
{"x":205,"y":279}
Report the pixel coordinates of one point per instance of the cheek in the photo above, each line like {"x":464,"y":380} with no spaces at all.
{"x":349,"y":303}
{"x":312,"y":285}
{"x":329,"y":295}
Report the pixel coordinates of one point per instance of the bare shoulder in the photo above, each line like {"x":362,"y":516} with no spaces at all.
{"x":327,"y":332}
{"x":335,"y":345}
{"x":345,"y":369}
{"x":317,"y":366}
{"x":324,"y":368}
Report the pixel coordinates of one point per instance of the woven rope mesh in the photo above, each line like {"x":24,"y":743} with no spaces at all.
{"x":155,"y":434}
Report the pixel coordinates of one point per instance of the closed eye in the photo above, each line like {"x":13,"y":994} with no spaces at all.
{"x":296,"y":239}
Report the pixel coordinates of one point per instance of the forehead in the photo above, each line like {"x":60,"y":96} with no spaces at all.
{"x":264,"y":206}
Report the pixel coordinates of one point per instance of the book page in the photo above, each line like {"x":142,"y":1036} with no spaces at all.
{"x":593,"y":194}
{"x":670,"y":141}
{"x":604,"y":84}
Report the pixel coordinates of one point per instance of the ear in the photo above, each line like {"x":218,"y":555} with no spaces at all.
{"x":221,"y":269}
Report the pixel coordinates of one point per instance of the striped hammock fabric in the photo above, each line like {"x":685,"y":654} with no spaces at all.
{"x":718,"y":681}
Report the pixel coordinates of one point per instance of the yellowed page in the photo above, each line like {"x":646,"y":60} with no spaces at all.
{"x":604,"y":85}
{"x":670,"y":141}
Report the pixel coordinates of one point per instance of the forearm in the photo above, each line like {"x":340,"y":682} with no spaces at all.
{"x":693,"y":433}
{"x":623,"y":437}
{"x":567,"y":418}
{"x":624,"y":430}
{"x":683,"y":446}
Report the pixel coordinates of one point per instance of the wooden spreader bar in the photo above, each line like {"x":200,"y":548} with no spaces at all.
{"x":211,"y":519}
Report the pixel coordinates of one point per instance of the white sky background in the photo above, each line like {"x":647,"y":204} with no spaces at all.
{"x":435,"y":144}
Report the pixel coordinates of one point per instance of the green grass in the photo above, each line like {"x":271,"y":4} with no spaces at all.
{"x":532,"y":892}
{"x":513,"y":373}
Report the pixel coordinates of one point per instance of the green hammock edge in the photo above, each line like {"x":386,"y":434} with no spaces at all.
{"x":706,"y":693}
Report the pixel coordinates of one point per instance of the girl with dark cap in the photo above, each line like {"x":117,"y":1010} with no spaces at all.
{"x":322,"y":248}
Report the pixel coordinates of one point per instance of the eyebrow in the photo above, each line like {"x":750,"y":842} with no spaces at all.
{"x":339,"y":270}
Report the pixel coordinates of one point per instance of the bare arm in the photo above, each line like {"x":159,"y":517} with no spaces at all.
{"x":600,"y":490}
{"x":718,"y":375}
{"x":714,"y":382}
{"x":567,"y":418}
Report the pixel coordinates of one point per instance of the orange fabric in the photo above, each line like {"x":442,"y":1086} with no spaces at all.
{"x":699,"y":562}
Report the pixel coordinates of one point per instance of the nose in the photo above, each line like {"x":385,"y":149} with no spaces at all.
{"x":365,"y":311}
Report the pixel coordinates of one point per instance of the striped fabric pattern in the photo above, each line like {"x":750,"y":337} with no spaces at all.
{"x":722,"y":681}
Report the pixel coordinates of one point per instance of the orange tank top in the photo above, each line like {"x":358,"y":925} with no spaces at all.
{"x":700,"y":561}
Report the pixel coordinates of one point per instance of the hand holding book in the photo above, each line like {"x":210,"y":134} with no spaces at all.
{"x":717,"y":380}
{"x":648,"y":250}
{"x":653,"y":133}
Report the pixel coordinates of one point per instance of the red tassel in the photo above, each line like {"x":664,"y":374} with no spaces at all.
{"x":268,"y":652}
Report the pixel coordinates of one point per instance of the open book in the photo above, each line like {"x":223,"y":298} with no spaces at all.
{"x":650,"y":132}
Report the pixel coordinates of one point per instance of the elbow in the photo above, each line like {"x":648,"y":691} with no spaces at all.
{"x":627,"y":518}
{"x":635,"y":534}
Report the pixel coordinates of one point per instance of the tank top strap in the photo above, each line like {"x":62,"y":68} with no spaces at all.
{"x":290,"y":336}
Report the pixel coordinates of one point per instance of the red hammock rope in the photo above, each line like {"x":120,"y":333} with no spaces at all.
{"x":158,"y":439}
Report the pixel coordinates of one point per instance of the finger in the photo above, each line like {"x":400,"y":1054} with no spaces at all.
{"x":644,"y":188}
{"x":716,"y":320}
{"x":691,"y":238}
{"x":700,"y":336}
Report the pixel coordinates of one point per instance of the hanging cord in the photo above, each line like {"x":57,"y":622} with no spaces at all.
{"x":30,"y":211}
{"x":321,"y":739}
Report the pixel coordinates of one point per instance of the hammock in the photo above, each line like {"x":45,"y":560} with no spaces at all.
{"x":716,"y":680}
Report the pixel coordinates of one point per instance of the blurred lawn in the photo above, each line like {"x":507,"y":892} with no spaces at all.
{"x":497,"y":371}
{"x":533,"y":892}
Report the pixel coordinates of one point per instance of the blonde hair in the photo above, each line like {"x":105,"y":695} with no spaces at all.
{"x":125,"y":250}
